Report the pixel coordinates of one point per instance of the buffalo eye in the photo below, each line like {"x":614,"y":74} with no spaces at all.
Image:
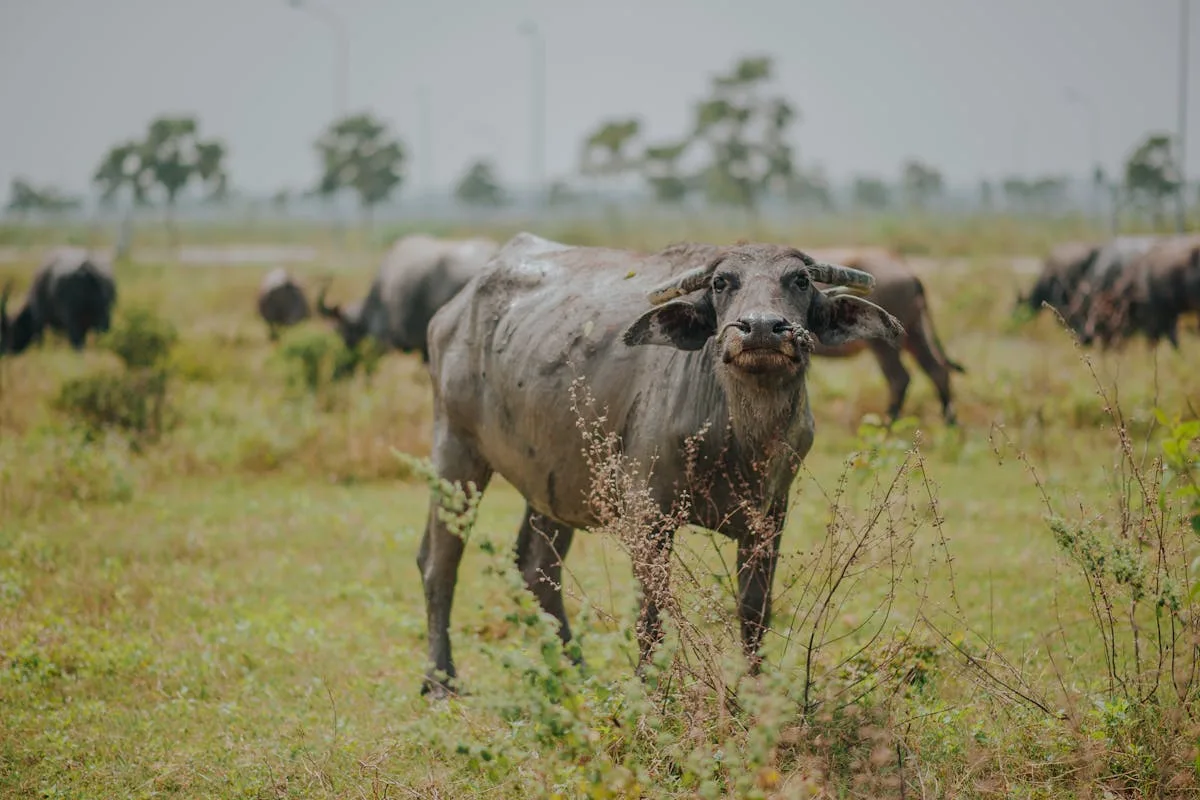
{"x":720,"y":284}
{"x":801,"y":281}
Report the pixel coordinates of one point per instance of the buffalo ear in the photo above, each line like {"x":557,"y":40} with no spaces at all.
{"x":683,"y":324}
{"x":845,"y":318}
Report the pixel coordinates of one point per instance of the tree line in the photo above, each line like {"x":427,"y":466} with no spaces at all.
{"x":736,"y":152}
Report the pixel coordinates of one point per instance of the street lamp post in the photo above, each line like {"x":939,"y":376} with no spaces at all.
{"x":537,"y":107}
{"x":1077,"y":98}
{"x":426,"y":152}
{"x":1181,"y":134}
{"x":341,"y":71}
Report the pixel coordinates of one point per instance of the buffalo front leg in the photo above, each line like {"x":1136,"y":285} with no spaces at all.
{"x":542,"y":545}
{"x":758,"y":554}
{"x":652,"y":569}
{"x":455,"y":460}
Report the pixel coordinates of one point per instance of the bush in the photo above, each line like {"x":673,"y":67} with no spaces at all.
{"x":316,"y":360}
{"x":133,"y":402}
{"x":141,"y":339}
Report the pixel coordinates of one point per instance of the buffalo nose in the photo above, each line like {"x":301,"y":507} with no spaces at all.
{"x":762,"y":326}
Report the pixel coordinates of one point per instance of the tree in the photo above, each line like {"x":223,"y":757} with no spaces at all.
{"x":870,"y":192}
{"x":122,"y":168}
{"x":174,"y":155}
{"x":479,"y":186}
{"x":561,"y":194}
{"x":987,"y":195}
{"x":1017,"y":194}
{"x":745,"y":134}
{"x":359,"y":153}
{"x":605,"y":149}
{"x":661,"y":169}
{"x":24,"y":198}
{"x":921,"y":183}
{"x":811,"y":187}
{"x":170,"y":157}
{"x":1151,"y":174}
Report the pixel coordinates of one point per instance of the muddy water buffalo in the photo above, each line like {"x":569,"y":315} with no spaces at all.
{"x":72,"y":293}
{"x":418,"y":275}
{"x":1062,"y":270}
{"x":902,"y":294}
{"x":1150,"y":296}
{"x":281,"y":301}
{"x":693,"y":341}
{"x":1093,"y":294}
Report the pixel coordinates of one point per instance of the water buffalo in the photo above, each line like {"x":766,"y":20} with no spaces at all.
{"x":72,"y":293}
{"x":418,"y":275}
{"x":1093,"y":294}
{"x":281,"y":301}
{"x":902,"y":294}
{"x":1158,"y":288}
{"x":1062,"y":271}
{"x":697,"y":358}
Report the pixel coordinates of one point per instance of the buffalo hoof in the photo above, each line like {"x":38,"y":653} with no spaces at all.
{"x":437,"y":689}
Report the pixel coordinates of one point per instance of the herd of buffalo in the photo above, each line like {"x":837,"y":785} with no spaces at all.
{"x":696,"y":357}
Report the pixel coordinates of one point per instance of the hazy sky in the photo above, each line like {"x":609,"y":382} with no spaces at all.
{"x":974,"y":86}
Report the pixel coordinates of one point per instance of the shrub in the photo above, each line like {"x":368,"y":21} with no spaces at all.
{"x":133,"y":402}
{"x":141,"y":339}
{"x":316,"y":360}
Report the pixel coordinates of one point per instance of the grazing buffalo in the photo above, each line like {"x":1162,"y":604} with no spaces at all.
{"x":1159,"y":287}
{"x":1062,"y":271}
{"x":902,"y":294}
{"x":72,"y":293}
{"x":281,"y":301}
{"x":696,"y":356}
{"x":1093,"y":299}
{"x":418,"y":275}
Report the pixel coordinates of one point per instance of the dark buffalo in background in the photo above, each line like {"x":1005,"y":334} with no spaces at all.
{"x":1160,"y":287}
{"x":419,"y":274}
{"x":1094,"y":292}
{"x":901,"y":293}
{"x":281,"y":301}
{"x":1062,"y":271}
{"x":72,"y":293}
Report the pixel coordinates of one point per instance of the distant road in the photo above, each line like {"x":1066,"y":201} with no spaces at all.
{"x":196,"y":255}
{"x":262,"y":254}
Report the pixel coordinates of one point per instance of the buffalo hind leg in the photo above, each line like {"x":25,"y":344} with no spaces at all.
{"x":938,"y":372}
{"x":455,"y":460}
{"x":757,"y":556}
{"x":895,"y":373}
{"x":652,"y":569}
{"x":542,"y":546}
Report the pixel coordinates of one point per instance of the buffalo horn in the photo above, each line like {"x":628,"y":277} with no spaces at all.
{"x":325,"y":311}
{"x":4,"y":305}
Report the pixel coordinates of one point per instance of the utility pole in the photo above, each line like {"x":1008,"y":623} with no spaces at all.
{"x":1078,"y":98}
{"x":537,"y":109}
{"x":426,"y":147}
{"x":341,"y":68}
{"x":1181,"y":134}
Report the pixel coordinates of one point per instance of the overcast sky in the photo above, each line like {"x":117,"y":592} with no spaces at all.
{"x":976,"y":87}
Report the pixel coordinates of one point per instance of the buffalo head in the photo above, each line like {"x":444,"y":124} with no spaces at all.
{"x":16,"y":333}
{"x":4,"y":323}
{"x":761,"y":306}
{"x":348,"y":321}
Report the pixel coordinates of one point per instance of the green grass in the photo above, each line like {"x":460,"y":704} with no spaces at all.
{"x":235,"y":610}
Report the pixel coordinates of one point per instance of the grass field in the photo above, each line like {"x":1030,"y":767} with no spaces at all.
{"x":233,"y":609}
